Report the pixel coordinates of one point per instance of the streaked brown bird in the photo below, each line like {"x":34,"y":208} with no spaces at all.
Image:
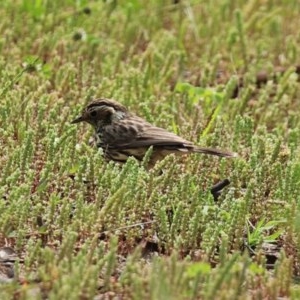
{"x":122,"y":134}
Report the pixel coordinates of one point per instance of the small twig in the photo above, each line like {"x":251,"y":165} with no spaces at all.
{"x":129,"y":226}
{"x":217,"y":188}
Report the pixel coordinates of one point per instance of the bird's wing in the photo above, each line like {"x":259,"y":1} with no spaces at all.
{"x":160,"y":137}
{"x":131,"y":135}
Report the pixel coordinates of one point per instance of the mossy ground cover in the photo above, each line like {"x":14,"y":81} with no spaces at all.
{"x":219,"y":73}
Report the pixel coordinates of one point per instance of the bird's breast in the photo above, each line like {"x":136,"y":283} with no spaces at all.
{"x":99,"y":138}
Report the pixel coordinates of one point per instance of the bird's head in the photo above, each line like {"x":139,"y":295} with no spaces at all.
{"x":101,"y":112}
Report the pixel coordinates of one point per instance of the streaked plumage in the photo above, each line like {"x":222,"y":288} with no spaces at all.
{"x":122,"y":134}
{"x":7,"y":260}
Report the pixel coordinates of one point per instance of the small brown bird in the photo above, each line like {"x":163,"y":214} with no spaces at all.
{"x":122,"y":134}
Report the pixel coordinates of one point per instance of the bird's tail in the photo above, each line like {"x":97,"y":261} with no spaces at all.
{"x":216,"y":152}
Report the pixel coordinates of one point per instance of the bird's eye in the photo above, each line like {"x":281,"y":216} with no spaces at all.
{"x":93,"y":113}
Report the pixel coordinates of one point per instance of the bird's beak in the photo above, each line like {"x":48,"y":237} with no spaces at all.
{"x":77,"y":120}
